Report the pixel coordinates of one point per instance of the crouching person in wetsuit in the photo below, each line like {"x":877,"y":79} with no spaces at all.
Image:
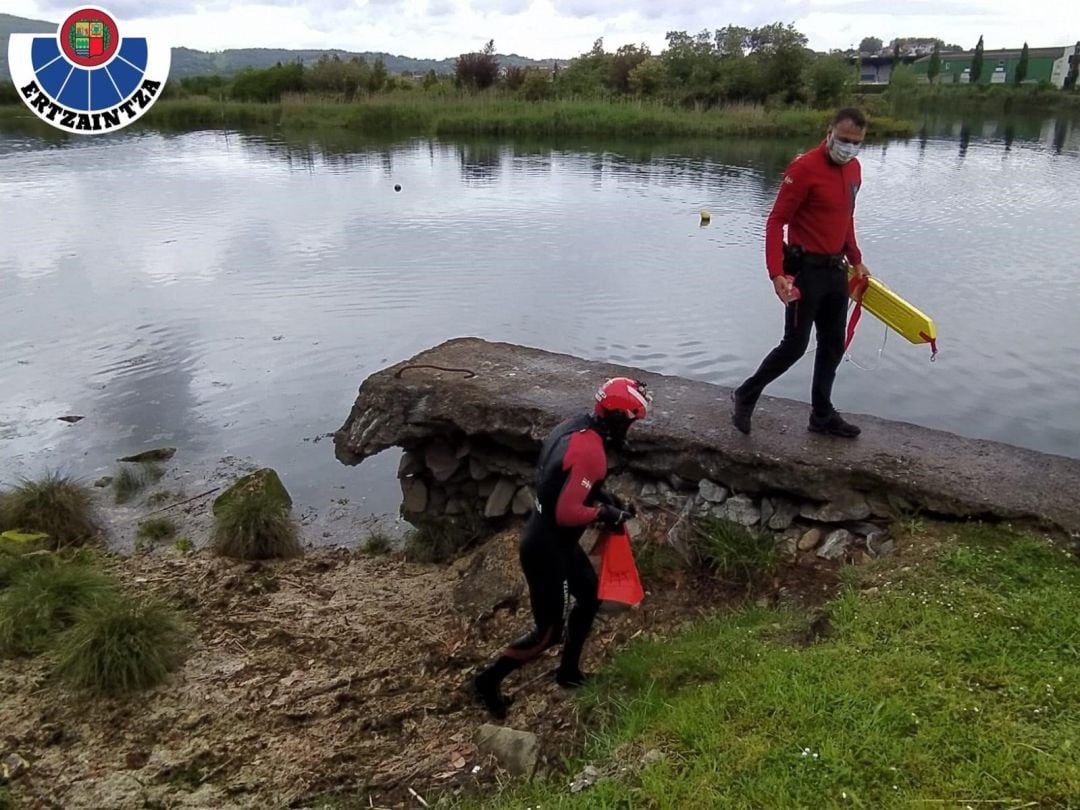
{"x":569,"y":496}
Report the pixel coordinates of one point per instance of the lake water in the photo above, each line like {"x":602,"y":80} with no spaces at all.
{"x":228,"y":293}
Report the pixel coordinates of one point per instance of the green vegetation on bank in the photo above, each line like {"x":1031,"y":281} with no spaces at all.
{"x":57,"y":601}
{"x":947,"y":677}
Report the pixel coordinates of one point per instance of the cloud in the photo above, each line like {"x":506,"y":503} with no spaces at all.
{"x":564,"y":28}
{"x":509,"y":8}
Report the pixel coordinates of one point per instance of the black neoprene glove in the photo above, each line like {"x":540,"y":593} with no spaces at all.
{"x":613,"y":517}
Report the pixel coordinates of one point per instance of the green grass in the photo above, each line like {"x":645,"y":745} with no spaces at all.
{"x":465,"y":114}
{"x":254,"y":525}
{"x":184,"y":545}
{"x":130,"y":480}
{"x":956,"y":684}
{"x":156,"y":529}
{"x":43,"y":600}
{"x":734,"y":552}
{"x":55,"y":505}
{"x":377,"y":543}
{"x":120,"y":645}
{"x":441,"y":539}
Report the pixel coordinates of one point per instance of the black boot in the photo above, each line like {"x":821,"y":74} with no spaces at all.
{"x":486,"y":685}
{"x":741,"y":413}
{"x":833,"y":425}
{"x":571,"y":679}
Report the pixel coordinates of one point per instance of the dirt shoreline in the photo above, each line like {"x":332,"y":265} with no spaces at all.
{"x":338,"y":674}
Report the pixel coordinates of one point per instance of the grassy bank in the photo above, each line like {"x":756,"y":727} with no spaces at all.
{"x":419,"y":114}
{"x":949,"y":677}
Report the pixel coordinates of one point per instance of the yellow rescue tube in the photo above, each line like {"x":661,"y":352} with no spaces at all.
{"x":894,"y":311}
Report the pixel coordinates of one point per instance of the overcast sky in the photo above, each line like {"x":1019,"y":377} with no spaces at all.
{"x":565,"y":28}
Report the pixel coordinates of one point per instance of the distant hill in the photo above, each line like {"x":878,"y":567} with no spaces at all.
{"x":191,"y":62}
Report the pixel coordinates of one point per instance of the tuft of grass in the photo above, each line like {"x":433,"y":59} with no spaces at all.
{"x":184,"y":545}
{"x":254,"y":526}
{"x":735,"y":552}
{"x":159,"y":498}
{"x":156,"y":529}
{"x":43,"y":599}
{"x":6,"y":802}
{"x":438,"y":540}
{"x":129,"y":481}
{"x":954,"y":682}
{"x":656,"y":560}
{"x":121,"y":645}
{"x":55,"y":505}
{"x":377,"y":543}
{"x":15,"y":563}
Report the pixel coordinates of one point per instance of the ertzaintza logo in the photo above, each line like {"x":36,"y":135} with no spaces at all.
{"x":93,"y":76}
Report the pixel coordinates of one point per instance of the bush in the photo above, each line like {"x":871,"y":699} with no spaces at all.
{"x":55,"y":505}
{"x":156,"y":529}
{"x":129,"y":481}
{"x":377,"y":543}
{"x":733,"y":551}
{"x":43,"y":599}
{"x":121,"y":645}
{"x":440,"y":539}
{"x":254,"y":525}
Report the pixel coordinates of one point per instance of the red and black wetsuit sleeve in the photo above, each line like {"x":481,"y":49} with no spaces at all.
{"x":585,"y":465}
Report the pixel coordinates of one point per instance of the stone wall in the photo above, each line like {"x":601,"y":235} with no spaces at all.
{"x":479,"y":478}
{"x":471,"y":416}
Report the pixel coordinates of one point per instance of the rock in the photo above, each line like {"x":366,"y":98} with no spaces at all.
{"x":478,"y":471}
{"x":71,"y":420}
{"x":463,"y":450}
{"x":784,"y":514}
{"x":414,"y":495}
{"x":264,"y":482}
{"x":651,"y":756}
{"x":584,"y":780}
{"x":789,"y":546}
{"x":850,"y":506}
{"x":679,"y":484}
{"x":670,"y":497}
{"x":437,"y":500}
{"x":860,"y":557}
{"x":13,"y":766}
{"x":650,"y":496}
{"x":810,"y":540}
{"x":767,"y":510}
{"x":836,"y":545}
{"x":146,"y":456}
{"x":623,"y":485}
{"x":498,"y":502}
{"x":490,"y":577}
{"x":713,"y":493}
{"x":881,"y":545}
{"x":441,"y":459}
{"x":412,"y":463}
{"x":740,"y":509}
{"x":516,"y":751}
{"x":103,"y":482}
{"x":454,"y":507}
{"x":523,"y":501}
{"x":486,"y":487}
{"x":937,"y":472}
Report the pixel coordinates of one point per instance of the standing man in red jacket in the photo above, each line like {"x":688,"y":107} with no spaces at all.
{"x":809,"y":272}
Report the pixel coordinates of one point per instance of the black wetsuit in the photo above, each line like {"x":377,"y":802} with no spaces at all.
{"x":569,"y":493}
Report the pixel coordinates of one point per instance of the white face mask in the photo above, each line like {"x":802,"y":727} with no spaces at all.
{"x":842,"y":152}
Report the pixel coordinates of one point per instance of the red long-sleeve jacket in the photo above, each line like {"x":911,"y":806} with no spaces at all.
{"x":817,"y":203}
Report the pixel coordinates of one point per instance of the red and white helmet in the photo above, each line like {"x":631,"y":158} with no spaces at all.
{"x":623,"y":396}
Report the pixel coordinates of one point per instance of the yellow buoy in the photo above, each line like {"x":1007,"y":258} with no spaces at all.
{"x":705,"y":215}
